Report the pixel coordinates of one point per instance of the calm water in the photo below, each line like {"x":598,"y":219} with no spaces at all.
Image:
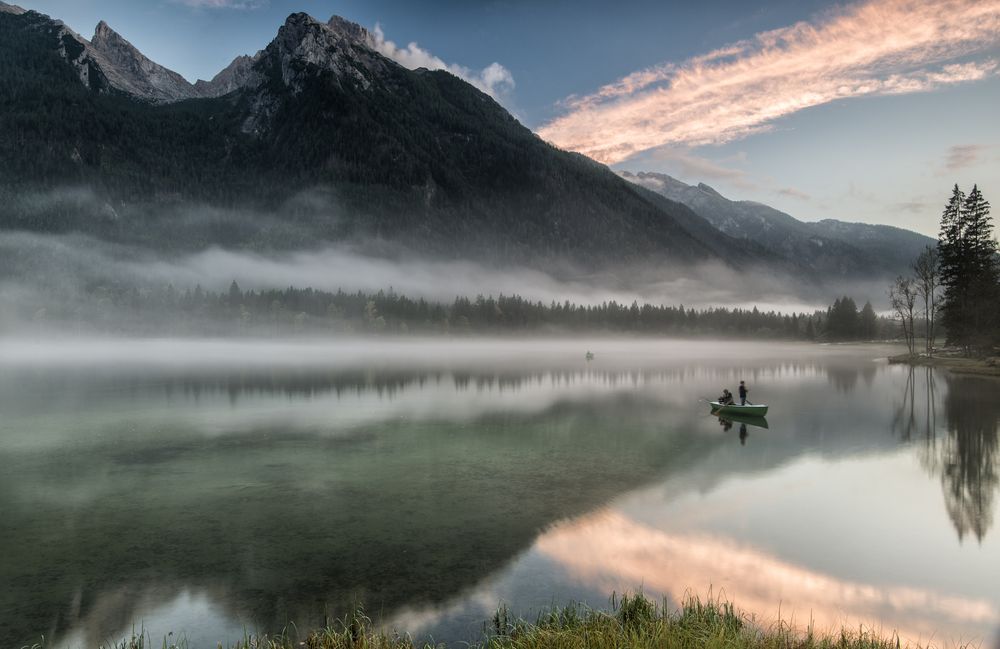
{"x":208,"y":488}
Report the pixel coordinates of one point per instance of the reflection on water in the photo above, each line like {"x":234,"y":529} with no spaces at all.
{"x":969,"y":454}
{"x":211,"y":492}
{"x":964,"y":454}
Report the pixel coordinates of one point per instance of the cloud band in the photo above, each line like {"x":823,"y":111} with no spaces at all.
{"x":874,"y":48}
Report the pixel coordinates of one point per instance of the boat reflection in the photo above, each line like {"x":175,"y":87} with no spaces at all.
{"x":726,"y":421}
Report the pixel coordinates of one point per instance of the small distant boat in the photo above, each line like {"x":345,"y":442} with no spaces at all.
{"x":758,"y":410}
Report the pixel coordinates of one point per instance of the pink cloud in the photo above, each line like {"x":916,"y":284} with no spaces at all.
{"x":878,"y":47}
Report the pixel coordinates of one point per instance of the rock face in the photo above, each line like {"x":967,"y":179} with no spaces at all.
{"x":131,"y":72}
{"x":304,"y":50}
{"x":306,"y":47}
{"x":109,"y":63}
{"x":10,"y":9}
{"x":235,"y":76}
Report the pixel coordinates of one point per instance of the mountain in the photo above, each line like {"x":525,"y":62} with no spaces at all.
{"x":827,"y":248}
{"x":316,"y":138}
{"x":130,"y":71}
{"x":236,"y":75}
{"x":10,"y":9}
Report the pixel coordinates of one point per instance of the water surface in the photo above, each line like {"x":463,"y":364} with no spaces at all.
{"x":205,"y":488}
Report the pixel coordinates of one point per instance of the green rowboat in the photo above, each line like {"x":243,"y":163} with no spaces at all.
{"x":758,"y":410}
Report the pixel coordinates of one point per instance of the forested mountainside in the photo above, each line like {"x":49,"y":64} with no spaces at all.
{"x":319,"y":137}
{"x":828,"y":247}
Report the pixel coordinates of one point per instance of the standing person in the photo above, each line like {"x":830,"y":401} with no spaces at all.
{"x":743,"y":393}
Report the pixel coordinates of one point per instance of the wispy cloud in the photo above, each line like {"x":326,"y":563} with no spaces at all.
{"x":911,"y":207}
{"x":963,"y":155}
{"x":495,"y":80}
{"x":693,"y":168}
{"x":878,"y":47}
{"x":793,"y":193}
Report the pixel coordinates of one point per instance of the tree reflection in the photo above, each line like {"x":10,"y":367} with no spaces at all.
{"x":844,"y":377}
{"x":969,"y":454}
{"x":963,"y":455}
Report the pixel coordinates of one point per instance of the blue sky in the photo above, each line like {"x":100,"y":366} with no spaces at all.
{"x":865,"y":111}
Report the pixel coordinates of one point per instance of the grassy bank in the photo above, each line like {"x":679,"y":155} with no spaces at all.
{"x":955,"y":364}
{"x":634,"y":622}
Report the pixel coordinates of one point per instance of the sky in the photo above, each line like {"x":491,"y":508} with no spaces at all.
{"x":860,"y":111}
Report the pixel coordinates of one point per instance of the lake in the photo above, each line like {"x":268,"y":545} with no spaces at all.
{"x":204,"y":488}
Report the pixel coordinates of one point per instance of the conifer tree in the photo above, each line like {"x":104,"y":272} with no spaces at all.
{"x":970,"y":272}
{"x":869,"y":322}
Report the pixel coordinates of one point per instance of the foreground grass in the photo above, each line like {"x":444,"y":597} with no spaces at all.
{"x":632,"y":621}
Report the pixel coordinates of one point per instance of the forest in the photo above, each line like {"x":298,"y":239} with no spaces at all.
{"x":165,"y":310}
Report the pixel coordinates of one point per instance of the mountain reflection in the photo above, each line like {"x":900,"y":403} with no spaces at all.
{"x":258,"y":496}
{"x":964,"y":454}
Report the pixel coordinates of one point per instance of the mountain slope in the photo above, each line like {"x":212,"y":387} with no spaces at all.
{"x":829,"y":248}
{"x":136,"y":74}
{"x":10,"y":9}
{"x":319,"y":138}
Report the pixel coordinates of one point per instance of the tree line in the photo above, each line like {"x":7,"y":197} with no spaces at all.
{"x":954,"y":286}
{"x":122,"y":309}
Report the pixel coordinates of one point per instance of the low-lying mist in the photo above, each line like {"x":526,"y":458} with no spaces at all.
{"x":51,"y":272}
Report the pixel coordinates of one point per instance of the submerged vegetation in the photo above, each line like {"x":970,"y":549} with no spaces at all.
{"x":632,"y":621}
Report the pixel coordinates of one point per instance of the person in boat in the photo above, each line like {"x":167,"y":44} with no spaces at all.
{"x":743,"y":393}
{"x":727,"y":397}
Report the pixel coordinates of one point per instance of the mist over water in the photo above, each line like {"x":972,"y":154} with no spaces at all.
{"x":59,"y":273}
{"x":204,"y":487}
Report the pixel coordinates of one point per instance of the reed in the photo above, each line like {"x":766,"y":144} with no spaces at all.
{"x":631,"y":621}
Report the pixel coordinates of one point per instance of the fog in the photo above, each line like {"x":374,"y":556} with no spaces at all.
{"x":53,"y":271}
{"x":466,"y":354}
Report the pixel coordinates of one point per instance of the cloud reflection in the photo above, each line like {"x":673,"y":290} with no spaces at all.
{"x":610,"y":551}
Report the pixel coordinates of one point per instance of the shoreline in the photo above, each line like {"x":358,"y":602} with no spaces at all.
{"x":632,"y":621}
{"x":989,"y":367}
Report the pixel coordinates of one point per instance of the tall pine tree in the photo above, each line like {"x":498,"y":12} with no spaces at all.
{"x":970,"y":272}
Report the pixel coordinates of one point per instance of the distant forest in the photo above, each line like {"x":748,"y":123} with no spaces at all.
{"x":167,"y":311}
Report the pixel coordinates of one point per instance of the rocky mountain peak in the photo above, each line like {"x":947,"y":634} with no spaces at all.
{"x":708,"y":189}
{"x":348,"y":30}
{"x":305,"y":48}
{"x":103,"y":33}
{"x":236,"y":75}
{"x":128,"y":69}
{"x":11,"y":9}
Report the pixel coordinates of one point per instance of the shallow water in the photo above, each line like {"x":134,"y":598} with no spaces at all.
{"x":207,"y":488}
